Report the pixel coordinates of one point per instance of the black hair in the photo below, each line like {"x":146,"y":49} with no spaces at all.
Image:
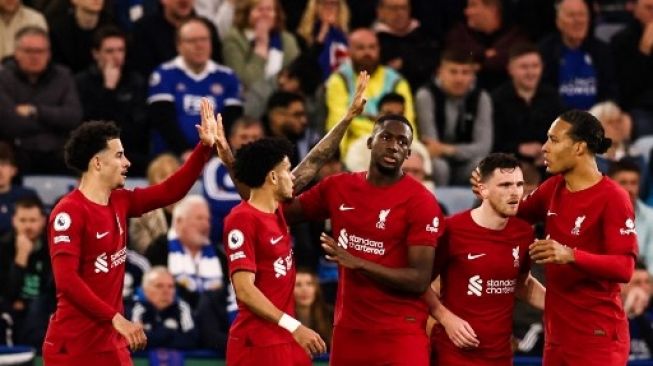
{"x":282,"y":99}
{"x":392,"y":97}
{"x":458,"y":55}
{"x":29,"y":201}
{"x":87,"y":140}
{"x":7,"y":153}
{"x":107,"y":31}
{"x":585,"y":127}
{"x":521,"y":49}
{"x":256,"y":159}
{"x":393,"y":117}
{"x":495,"y":161}
{"x":623,"y":165}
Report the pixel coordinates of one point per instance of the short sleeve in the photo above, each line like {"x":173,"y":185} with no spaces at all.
{"x":315,"y":201}
{"x":619,"y":224}
{"x":160,"y":89}
{"x":425,"y":221}
{"x":66,"y":229}
{"x":240,"y":246}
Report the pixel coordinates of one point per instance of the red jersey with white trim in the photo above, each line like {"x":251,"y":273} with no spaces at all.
{"x":260,"y":242}
{"x":479,"y":269}
{"x":377,"y":224}
{"x":599,"y":220}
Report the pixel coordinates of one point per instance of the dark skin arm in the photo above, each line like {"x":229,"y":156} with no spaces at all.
{"x":414,"y":278}
{"x":306,"y":170}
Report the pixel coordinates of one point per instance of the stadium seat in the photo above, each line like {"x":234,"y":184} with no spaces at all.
{"x":50,"y":187}
{"x":455,"y":199}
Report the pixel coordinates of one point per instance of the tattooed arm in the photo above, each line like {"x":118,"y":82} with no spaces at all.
{"x":306,"y":170}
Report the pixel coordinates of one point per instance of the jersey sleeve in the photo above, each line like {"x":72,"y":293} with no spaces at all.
{"x":240,"y":245}
{"x":442,"y":252}
{"x":529,"y":237}
{"x":533,"y":208}
{"x":66,"y":229}
{"x":161,"y":87}
{"x":619,"y":224}
{"x":425,"y":221}
{"x":315,"y":201}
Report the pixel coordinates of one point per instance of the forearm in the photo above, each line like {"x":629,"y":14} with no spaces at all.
{"x":531,"y":291}
{"x":609,"y":267}
{"x":174,"y":187}
{"x":258,"y":303}
{"x":408,"y":279}
{"x":306,"y":170}
{"x":73,"y":288}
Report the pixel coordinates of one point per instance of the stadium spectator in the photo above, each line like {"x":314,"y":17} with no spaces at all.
{"x":618,"y":126}
{"x":187,"y":251}
{"x":405,"y":47}
{"x":13,"y":17}
{"x":632,"y":49}
{"x":487,"y":35}
{"x":365,"y":56}
{"x":455,"y":119}
{"x":108,"y":91}
{"x":145,"y":229}
{"x":636,"y":296}
{"x":575,"y":62}
{"x":167,"y":320}
{"x":628,"y":175}
{"x":218,"y":188}
{"x":127,"y":12}
{"x":155,"y":36}
{"x":524,"y":106}
{"x":257,"y":47}
{"x":310,"y":308}
{"x":71,"y":33}
{"x":212,"y":320}
{"x":323,"y":32}
{"x":418,"y":166}
{"x":177,"y":87}
{"x":24,"y":263}
{"x":9,"y":192}
{"x":286,"y":117}
{"x":136,"y":266}
{"x":39,"y":105}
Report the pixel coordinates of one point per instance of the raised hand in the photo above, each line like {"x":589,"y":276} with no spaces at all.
{"x":358,"y":102}
{"x":222,"y":145}
{"x":208,"y":128}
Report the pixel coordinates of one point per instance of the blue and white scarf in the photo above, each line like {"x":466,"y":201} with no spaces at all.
{"x":202,"y":273}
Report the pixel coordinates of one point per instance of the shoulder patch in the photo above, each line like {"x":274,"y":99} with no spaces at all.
{"x":62,"y":221}
{"x":155,"y":78}
{"x":235,"y":239}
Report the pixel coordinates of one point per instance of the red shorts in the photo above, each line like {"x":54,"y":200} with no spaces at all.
{"x":54,"y":357}
{"x":613,"y":353}
{"x":363,"y":347}
{"x":286,"y":354}
{"x":445,"y":353}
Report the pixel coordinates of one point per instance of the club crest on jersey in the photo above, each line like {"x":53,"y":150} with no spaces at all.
{"x":235,"y":239}
{"x":515,"y":256}
{"x":577,"y":224}
{"x":629,"y":229}
{"x":383,"y":216}
{"x":62,"y":221}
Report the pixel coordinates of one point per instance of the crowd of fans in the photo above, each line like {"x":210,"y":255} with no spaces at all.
{"x":471,"y":76}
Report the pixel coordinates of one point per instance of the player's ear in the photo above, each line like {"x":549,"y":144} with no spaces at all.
{"x":273,"y":176}
{"x":483,"y":190}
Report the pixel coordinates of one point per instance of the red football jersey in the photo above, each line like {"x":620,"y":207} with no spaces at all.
{"x":260,"y":242}
{"x":88,"y":247}
{"x":598,"y":220}
{"x":479,"y":269}
{"x":377,"y":224}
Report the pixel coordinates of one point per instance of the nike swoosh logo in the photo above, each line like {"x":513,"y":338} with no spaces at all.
{"x":274,"y":241}
{"x":101,"y":235}
{"x":549,"y":213}
{"x":471,"y":256}
{"x":345,"y":208}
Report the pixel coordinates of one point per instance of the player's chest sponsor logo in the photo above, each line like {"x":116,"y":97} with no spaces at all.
{"x":282,"y":265}
{"x":478,"y":287}
{"x":360,"y":244}
{"x":434,"y":227}
{"x":103,"y":263}
{"x":577,"y":225}
{"x":629,"y":227}
{"x":383,"y":216}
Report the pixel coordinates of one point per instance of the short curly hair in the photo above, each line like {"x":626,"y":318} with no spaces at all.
{"x":255,"y":160}
{"x":87,"y":140}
